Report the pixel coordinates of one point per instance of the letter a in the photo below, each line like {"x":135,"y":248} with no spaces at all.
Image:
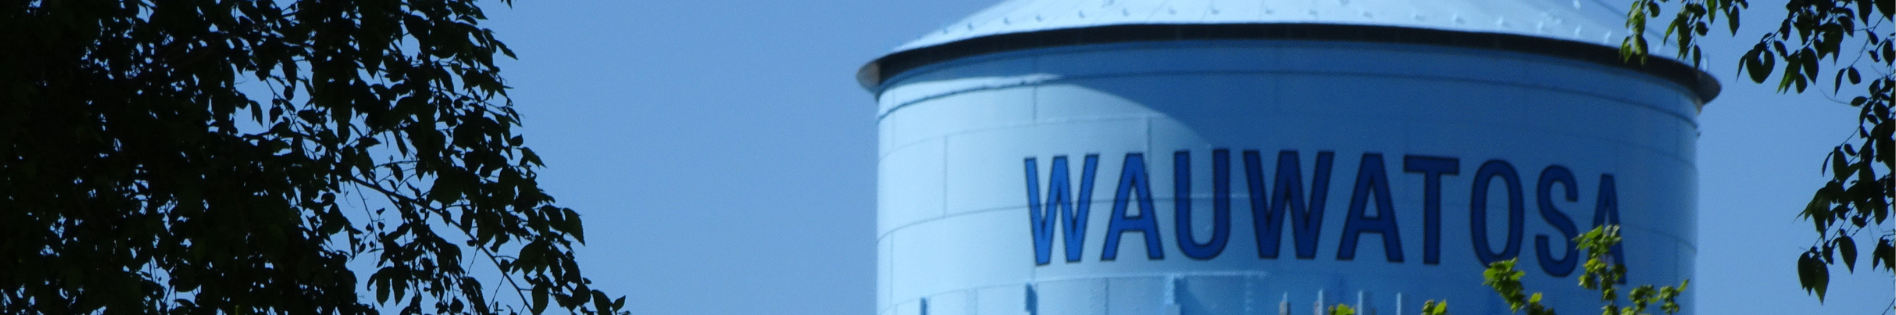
{"x":1371,"y":178}
{"x":1132,"y":180}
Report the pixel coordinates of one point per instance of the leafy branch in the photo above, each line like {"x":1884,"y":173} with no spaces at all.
{"x":141,"y":172}
{"x":1813,"y":35}
{"x":1600,"y":274}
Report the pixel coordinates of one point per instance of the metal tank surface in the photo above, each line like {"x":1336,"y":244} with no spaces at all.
{"x":1268,"y":157}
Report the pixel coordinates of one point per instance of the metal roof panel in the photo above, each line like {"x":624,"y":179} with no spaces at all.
{"x":1587,"y":21}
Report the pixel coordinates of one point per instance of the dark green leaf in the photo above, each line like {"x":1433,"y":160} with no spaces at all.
{"x":539,"y":299}
{"x":1847,"y":248}
{"x":574,"y":226}
{"x":1839,"y":164}
{"x":600,"y":301}
{"x":1757,"y":64}
{"x":1886,"y":8}
{"x":1836,"y":82}
{"x":381,"y":293}
{"x":1885,"y":253}
{"x":1813,"y":274}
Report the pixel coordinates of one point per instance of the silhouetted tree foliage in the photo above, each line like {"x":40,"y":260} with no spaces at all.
{"x":1856,"y":39}
{"x":199,"y":156}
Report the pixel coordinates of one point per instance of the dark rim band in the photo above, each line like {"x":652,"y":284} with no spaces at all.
{"x":874,"y":74}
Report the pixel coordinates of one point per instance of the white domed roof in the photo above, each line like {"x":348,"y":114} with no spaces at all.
{"x":1585,"y":30}
{"x":1589,"y":21}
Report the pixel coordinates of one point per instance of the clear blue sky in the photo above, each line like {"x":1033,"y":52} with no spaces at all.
{"x":723,"y":156}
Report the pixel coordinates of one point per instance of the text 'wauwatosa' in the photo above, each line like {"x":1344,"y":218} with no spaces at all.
{"x":1284,"y":196}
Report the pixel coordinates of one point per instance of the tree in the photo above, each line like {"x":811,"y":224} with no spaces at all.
{"x":1598,"y":274}
{"x":211,"y":156}
{"x":1856,"y":40}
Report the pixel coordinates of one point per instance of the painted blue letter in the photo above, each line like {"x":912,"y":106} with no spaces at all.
{"x":1132,"y":179}
{"x":1267,"y":217}
{"x":1563,"y":266}
{"x":1220,"y":208}
{"x":1432,"y":169}
{"x":1059,"y":203}
{"x":1371,"y":179}
{"x":1606,"y":211}
{"x":1478,"y":211}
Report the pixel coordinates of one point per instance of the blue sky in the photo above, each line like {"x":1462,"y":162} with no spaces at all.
{"x":723,"y":156}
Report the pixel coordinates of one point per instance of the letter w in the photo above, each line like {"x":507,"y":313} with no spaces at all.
{"x":1060,"y":202}
{"x":1268,"y":214}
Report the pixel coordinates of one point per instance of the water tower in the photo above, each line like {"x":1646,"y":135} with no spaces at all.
{"x":1266,"y":157}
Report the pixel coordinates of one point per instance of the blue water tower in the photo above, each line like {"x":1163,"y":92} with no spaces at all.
{"x":1274,"y":157}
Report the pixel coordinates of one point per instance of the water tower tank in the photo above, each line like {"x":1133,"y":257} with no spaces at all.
{"x":1267,"y":157}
